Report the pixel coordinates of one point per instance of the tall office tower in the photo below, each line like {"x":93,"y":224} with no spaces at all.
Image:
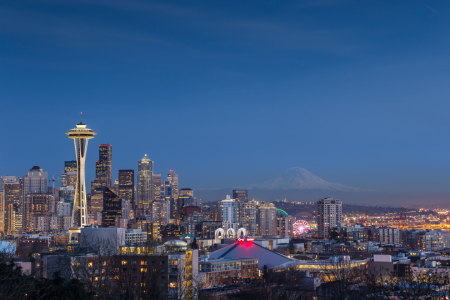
{"x":247,"y":216}
{"x":70,"y":166}
{"x":240,"y":195}
{"x":35,"y":205}
{"x":69,"y":177}
{"x":11,"y":194}
{"x":329,"y":215}
{"x":157,"y":186}
{"x":228,"y":210}
{"x":18,"y":217}
{"x":161,"y":211}
{"x":96,"y":200}
{"x":104,"y":166}
{"x":35,"y":181}
{"x":173,"y":177}
{"x":21,"y":190}
{"x":166,"y":193}
{"x":267,"y":219}
{"x":112,"y":208}
{"x":126,"y":185}
{"x":145,"y":183}
{"x":10,"y":179}
{"x":80,"y":135}
{"x":166,"y":189}
{"x":186,"y":192}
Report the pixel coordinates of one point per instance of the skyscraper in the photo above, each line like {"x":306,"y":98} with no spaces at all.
{"x":329,"y":215}
{"x":186,"y":192}
{"x":80,"y":135}
{"x":173,"y":178}
{"x":267,"y":219}
{"x":247,"y":216}
{"x":112,"y":208}
{"x":240,"y":195}
{"x":69,"y":177}
{"x":36,"y":205}
{"x":161,"y":211}
{"x":70,"y":166}
{"x":35,"y":181}
{"x":11,"y":194}
{"x":104,"y":165}
{"x":126,"y":186}
{"x":156,"y":186}
{"x":145,"y":183}
{"x":228,"y":210}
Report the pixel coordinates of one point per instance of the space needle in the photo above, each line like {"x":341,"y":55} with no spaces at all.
{"x":80,"y":135}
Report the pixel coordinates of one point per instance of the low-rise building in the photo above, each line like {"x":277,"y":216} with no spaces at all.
{"x":213,"y":271}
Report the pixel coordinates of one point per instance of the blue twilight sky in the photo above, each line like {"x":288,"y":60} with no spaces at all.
{"x":229,"y":93}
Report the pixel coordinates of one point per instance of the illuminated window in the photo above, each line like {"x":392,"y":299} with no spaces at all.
{"x":124,"y":262}
{"x":143,"y":269}
{"x":142,"y":263}
{"x":173,"y":284}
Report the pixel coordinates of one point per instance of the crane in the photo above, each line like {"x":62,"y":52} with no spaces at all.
{"x":53,"y":182}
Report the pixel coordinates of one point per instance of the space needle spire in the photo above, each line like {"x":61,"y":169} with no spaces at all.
{"x":80,"y":135}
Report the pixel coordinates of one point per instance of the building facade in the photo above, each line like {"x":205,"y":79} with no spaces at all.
{"x":112,"y":208}
{"x":267,"y":219}
{"x":126,"y":186}
{"x":145,"y":183}
{"x":247,"y":216}
{"x":329,"y":215}
{"x":104,"y":165}
{"x":240,"y":195}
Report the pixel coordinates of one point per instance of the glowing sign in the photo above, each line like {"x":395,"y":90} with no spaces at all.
{"x":301,"y":227}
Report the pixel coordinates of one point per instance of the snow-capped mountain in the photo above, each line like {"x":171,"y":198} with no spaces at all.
{"x":301,"y":179}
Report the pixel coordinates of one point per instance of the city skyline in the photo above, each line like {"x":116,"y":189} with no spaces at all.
{"x":244,"y":96}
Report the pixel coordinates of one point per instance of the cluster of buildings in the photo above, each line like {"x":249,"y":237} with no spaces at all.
{"x":132,"y":228}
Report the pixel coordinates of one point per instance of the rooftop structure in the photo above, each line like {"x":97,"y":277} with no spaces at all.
{"x":248,"y":249}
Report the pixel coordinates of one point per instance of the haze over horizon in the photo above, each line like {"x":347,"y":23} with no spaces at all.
{"x":234,"y":94}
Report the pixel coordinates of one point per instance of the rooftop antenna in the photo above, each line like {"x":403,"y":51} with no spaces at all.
{"x":81,"y":117}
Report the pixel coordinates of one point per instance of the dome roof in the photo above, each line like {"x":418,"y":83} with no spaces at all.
{"x":145,"y":158}
{"x":176,"y":243}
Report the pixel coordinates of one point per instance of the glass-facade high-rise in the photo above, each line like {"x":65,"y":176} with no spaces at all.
{"x":156,"y":186}
{"x":126,"y":186}
{"x":173,"y":178}
{"x":144,"y":184}
{"x":70,"y":166}
{"x":11,"y":194}
{"x":104,"y":165}
{"x":69,"y":177}
{"x":112,"y":208}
